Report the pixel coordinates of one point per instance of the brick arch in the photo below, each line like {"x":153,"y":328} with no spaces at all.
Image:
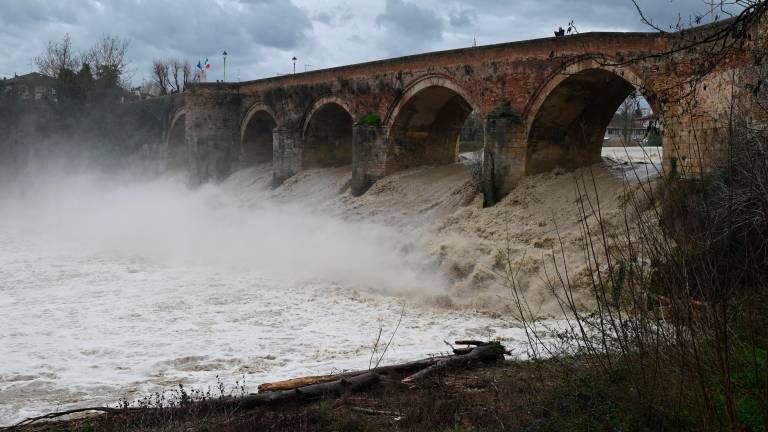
{"x":567,"y":116}
{"x":254,"y":109}
{"x":176,"y":149}
{"x":176,"y":157}
{"x":256,"y":135}
{"x":177,"y":115}
{"x":583,"y":64}
{"x":327,"y":134}
{"x":424,"y":124}
{"x":319,"y":104}
{"x":419,"y":84}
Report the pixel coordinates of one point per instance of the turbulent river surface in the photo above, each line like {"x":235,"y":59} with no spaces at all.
{"x":113,"y":288}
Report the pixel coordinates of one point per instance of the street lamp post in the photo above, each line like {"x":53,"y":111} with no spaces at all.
{"x":225,"y":66}
{"x":294,"y":64}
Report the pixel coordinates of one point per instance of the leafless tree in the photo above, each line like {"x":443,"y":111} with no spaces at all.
{"x":160,"y":75}
{"x":56,"y":57}
{"x":628,"y":114}
{"x":110,"y":53}
{"x":176,"y":67}
{"x":171,"y":75}
{"x":186,"y":73}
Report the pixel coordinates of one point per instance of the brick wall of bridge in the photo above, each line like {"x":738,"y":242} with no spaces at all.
{"x":520,"y":77}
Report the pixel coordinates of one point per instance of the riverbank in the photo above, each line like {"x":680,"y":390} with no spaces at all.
{"x":511,"y":395}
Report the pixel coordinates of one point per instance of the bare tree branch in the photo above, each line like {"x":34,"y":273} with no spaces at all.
{"x":57,"y":57}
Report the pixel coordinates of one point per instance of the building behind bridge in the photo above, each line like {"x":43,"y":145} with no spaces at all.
{"x":630,"y":129}
{"x":32,"y":86}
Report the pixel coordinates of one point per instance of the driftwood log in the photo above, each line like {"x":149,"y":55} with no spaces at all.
{"x":314,"y":391}
{"x":463,"y":357}
{"x":382,"y":370}
{"x":492,"y":351}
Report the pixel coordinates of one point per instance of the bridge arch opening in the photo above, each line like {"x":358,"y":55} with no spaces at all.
{"x":328,"y":137}
{"x":585,"y":114}
{"x":177,"y":149}
{"x":426,"y":128}
{"x":257,"y":136}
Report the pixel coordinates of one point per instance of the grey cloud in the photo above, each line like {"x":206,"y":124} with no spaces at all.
{"x":592,"y":14}
{"x":203,"y":25}
{"x":340,"y":13}
{"x":262,"y":35}
{"x":462,"y":18}
{"x":323,"y":17}
{"x":22,"y":14}
{"x":409,"y":26}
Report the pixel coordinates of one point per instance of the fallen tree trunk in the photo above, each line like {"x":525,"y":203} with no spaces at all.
{"x":487,"y":352}
{"x":295,"y":383}
{"x":313,"y":391}
{"x":482,"y":351}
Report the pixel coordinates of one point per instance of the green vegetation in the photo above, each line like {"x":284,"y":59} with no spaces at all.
{"x":370,"y":120}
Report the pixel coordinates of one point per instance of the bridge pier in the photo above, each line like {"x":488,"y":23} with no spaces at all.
{"x":212,"y":135}
{"x":504,"y":155}
{"x":287,"y":156}
{"x":369,"y":152}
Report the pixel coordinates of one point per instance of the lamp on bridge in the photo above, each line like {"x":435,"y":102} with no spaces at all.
{"x":225,"y":66}
{"x":294,"y":64}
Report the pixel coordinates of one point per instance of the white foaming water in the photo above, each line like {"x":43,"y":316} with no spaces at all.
{"x":112,"y":289}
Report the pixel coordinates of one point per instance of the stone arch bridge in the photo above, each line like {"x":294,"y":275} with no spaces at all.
{"x":545,"y":103}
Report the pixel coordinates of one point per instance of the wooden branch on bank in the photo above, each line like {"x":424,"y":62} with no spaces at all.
{"x":313,"y":391}
{"x":492,"y":351}
{"x":463,"y":357}
{"x":375,"y":412}
{"x":381,"y":370}
{"x":58,"y":414}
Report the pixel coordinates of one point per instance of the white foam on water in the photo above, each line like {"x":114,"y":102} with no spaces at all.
{"x":112,"y":289}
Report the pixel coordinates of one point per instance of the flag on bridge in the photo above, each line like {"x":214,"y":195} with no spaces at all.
{"x":203,"y":66}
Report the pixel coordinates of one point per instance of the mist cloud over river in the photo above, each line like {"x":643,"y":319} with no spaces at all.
{"x":114,"y":286}
{"x":165,"y":222}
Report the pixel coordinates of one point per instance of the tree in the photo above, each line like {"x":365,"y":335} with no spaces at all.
{"x":108,"y":57}
{"x":186,"y":71}
{"x":85,"y":79}
{"x":629,"y":112}
{"x":66,"y":86}
{"x":57,"y":57}
{"x":160,"y":75}
{"x":171,"y":75}
{"x":74,"y":87}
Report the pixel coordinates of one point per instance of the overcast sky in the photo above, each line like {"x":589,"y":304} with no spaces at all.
{"x":261,"y":36}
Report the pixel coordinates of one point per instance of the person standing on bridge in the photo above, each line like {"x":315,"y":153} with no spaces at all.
{"x":560,"y":32}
